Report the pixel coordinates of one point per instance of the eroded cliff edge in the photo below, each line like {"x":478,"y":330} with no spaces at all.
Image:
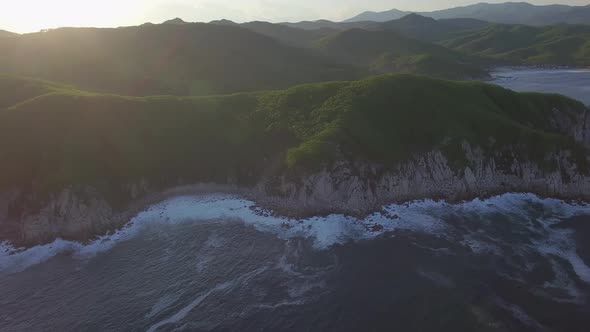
{"x":81,"y":213}
{"x":76,"y":165}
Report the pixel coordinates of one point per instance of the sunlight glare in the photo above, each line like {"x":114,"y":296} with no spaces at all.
{"x":35,"y":15}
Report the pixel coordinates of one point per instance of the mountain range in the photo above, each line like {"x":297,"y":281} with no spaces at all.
{"x":183,"y":58}
{"x":508,"y":13}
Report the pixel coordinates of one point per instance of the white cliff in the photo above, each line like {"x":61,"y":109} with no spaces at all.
{"x":353,"y":188}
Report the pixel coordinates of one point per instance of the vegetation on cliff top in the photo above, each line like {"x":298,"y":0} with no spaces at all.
{"x":67,"y":136}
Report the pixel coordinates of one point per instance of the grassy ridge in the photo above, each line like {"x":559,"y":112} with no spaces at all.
{"x":429,"y":65}
{"x":387,"y":51}
{"x":71,"y":137}
{"x":554,"y":45}
{"x":17,"y":89}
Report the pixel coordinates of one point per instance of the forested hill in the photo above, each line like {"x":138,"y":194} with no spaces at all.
{"x":180,"y":59}
{"x":508,"y":13}
{"x":69,"y":137}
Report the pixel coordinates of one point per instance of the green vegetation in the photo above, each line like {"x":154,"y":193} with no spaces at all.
{"x":429,"y":65}
{"x":283,"y":33}
{"x":431,"y":30}
{"x":188,"y":59}
{"x":508,"y":12}
{"x":71,"y":137}
{"x":553,"y":45}
{"x":387,"y":51}
{"x":178,"y":59}
{"x":18,"y":89}
{"x":196,"y":59}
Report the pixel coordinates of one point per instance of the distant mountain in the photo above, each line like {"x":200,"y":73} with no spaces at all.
{"x":388,"y":51}
{"x":304,"y":34}
{"x":286,"y":34}
{"x":4,"y":33}
{"x":509,"y":12}
{"x":175,"y":21}
{"x":410,"y":24}
{"x":180,"y":59}
{"x":225,"y":22}
{"x":554,"y":45}
{"x":429,"y":29}
{"x":464,"y":23}
{"x":366,"y":46}
{"x":385,"y":16}
{"x":325,"y":24}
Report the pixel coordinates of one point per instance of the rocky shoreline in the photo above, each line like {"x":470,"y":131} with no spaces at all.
{"x":356,"y":189}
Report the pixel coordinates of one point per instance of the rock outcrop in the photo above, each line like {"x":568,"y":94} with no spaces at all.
{"x":361,"y":188}
{"x":353,"y":188}
{"x":574,"y":124}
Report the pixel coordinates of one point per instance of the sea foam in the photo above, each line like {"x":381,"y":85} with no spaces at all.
{"x":425,"y":216}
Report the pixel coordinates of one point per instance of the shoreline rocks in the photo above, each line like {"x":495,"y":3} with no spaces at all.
{"x":356,"y":189}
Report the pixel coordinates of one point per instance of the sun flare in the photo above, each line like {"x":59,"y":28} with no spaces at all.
{"x":34,"y":15}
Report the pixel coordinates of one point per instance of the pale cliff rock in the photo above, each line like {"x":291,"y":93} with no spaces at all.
{"x":74,"y":213}
{"x":575,"y":124}
{"x":361,"y":188}
{"x":348,"y":187}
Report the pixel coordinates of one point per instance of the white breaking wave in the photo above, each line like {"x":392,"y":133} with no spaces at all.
{"x":420,"y":216}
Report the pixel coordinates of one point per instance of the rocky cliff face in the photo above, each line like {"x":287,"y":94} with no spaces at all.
{"x":79,"y":213}
{"x":74,"y":213}
{"x":348,"y":187}
{"x":576,"y":125}
{"x":362,"y":188}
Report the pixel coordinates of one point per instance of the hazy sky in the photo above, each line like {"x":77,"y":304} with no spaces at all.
{"x":33,"y":15}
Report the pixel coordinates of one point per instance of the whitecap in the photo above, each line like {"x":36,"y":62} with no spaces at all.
{"x":425,"y":216}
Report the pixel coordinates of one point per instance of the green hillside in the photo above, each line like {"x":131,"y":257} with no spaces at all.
{"x":429,"y":65}
{"x":428,"y":29}
{"x":554,"y":45}
{"x":507,"y":13}
{"x":107,"y":141}
{"x":325,"y":24}
{"x":179,"y":59}
{"x":387,"y":51}
{"x":283,"y":33}
{"x":18,"y":89}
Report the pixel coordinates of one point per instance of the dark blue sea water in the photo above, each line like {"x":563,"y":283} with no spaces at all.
{"x":574,"y":83}
{"x":213,"y":263}
{"x":510,"y":263}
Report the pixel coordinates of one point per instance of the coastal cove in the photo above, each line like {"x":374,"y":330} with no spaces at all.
{"x":397,"y":171}
{"x":220,"y":257}
{"x":317,"y":149}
